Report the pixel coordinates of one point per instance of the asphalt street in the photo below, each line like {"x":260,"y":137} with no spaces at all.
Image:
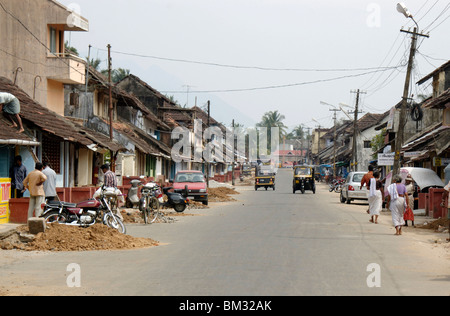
{"x":268,"y":243}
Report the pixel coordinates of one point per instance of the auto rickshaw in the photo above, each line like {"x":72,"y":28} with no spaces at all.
{"x":264,"y":177}
{"x":304,"y":179}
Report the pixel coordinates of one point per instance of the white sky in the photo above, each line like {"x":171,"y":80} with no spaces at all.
{"x":281,"y":34}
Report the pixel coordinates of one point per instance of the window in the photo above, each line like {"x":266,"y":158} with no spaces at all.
{"x":53,"y":40}
{"x":367,"y":144}
{"x":51,"y":152}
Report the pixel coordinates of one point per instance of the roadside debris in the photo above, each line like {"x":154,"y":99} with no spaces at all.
{"x":68,"y":238}
{"x":221,"y":194}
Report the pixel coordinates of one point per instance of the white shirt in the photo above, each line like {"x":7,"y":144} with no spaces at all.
{"x":50,"y":183}
{"x":447,"y":188}
{"x":6,"y":97}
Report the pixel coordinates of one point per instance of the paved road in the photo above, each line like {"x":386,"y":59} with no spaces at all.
{"x":268,"y":243}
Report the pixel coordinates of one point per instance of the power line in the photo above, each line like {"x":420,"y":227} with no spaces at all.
{"x":247,"y":67}
{"x":282,"y":86}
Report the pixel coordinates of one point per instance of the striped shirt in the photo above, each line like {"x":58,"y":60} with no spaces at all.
{"x":110,"y":179}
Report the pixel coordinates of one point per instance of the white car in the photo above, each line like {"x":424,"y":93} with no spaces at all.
{"x":351,"y":188}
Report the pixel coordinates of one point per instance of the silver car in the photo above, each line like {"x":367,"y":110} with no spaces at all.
{"x":351,"y":188}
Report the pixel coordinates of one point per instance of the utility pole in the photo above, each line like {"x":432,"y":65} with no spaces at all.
{"x":334,"y":141}
{"x":207,"y":162}
{"x":402,"y":121}
{"x":111,"y":136}
{"x":110,"y":94}
{"x":355,"y":129}
{"x":234,"y":156}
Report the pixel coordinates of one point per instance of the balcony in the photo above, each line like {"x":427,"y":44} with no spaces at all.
{"x":66,"y":68}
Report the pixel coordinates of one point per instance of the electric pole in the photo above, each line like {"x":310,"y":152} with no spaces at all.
{"x":355,"y":129}
{"x":110,"y":94}
{"x":402,"y":120}
{"x":334,"y":141}
{"x":207,"y":162}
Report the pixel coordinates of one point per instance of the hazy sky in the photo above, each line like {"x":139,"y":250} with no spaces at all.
{"x":285,"y":55}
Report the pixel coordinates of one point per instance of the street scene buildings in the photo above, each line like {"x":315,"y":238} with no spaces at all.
{"x":77,"y":118}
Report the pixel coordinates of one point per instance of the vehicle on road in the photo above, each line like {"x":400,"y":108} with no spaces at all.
{"x":264,"y":177}
{"x":304,"y":179}
{"x":351,"y":189}
{"x":192,"y":183}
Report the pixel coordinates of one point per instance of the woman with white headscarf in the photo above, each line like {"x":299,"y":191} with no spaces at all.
{"x":397,"y":202}
{"x":375,"y":197}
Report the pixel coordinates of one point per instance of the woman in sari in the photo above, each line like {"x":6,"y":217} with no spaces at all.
{"x":375,"y":197}
{"x":397,"y":202}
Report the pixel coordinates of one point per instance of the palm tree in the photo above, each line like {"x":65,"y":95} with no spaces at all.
{"x":273,"y":119}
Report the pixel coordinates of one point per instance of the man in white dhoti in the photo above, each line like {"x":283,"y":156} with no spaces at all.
{"x":375,"y":197}
{"x":397,"y":203}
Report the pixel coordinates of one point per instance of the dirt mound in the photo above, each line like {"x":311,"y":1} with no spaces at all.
{"x":70,"y":238}
{"x":435,"y":224}
{"x":221,"y":194}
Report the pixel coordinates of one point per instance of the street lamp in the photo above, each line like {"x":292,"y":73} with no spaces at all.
{"x":401,"y":7}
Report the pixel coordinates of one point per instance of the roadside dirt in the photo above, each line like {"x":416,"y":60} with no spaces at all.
{"x":69,"y":238}
{"x":221,"y":194}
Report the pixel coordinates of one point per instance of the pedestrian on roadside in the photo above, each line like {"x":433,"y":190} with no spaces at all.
{"x":50,"y":183}
{"x":375,"y":197}
{"x":409,"y":183}
{"x":397,"y":203}
{"x":11,"y":108}
{"x":365,"y":181}
{"x":34,"y":182}
{"x":18,"y":173}
{"x":446,"y":194}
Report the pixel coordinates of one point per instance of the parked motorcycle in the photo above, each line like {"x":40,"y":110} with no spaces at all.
{"x":132,"y":199}
{"x":177,"y":201}
{"x":86,"y":213}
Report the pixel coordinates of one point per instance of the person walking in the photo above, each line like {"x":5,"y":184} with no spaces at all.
{"x":50,"y":183}
{"x":34,"y":182}
{"x":18,"y":173}
{"x":397,"y":203}
{"x":11,"y":108}
{"x":375,"y":197}
{"x":365,"y":181}
{"x":446,"y":194}
{"x":409,"y":184}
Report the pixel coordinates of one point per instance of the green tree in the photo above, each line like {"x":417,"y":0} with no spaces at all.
{"x":273,"y":119}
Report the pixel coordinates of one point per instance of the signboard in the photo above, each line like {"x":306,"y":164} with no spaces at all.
{"x":386,"y":159}
{"x":5,"y":195}
{"x":440,"y":162}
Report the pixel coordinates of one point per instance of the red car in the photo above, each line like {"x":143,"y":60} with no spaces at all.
{"x":195,"y":182}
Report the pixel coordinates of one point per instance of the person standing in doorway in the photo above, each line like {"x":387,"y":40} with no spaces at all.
{"x":34,"y":182}
{"x":18,"y":173}
{"x":11,"y":108}
{"x":50,"y":183}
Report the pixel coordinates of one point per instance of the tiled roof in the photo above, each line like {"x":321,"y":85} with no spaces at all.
{"x":34,"y":114}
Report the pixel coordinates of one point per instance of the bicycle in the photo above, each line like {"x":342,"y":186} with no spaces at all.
{"x":149,"y":204}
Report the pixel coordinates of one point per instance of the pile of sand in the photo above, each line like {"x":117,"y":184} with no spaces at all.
{"x":71,"y":238}
{"x":221,"y":194}
{"x":434,"y":225}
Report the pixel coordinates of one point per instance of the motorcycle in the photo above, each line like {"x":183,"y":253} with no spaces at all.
{"x":132,"y":199}
{"x":86,"y":213}
{"x":336,"y":185}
